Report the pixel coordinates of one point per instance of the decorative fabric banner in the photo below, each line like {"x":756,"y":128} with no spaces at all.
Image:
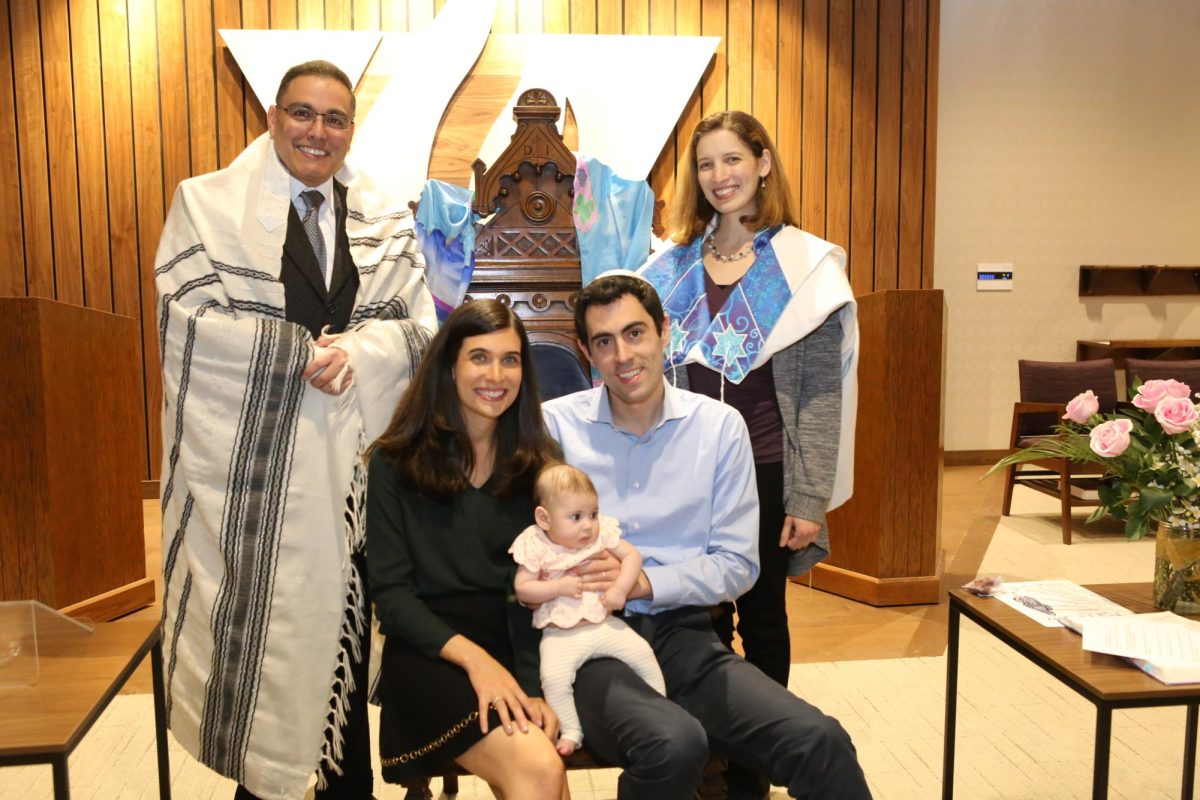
{"x":446,"y":234}
{"x":612,"y":218}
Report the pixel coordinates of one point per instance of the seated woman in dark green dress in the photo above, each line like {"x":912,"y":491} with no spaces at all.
{"x":450,"y":488}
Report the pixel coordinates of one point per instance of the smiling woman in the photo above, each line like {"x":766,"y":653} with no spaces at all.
{"x":450,"y":488}
{"x":763,"y":319}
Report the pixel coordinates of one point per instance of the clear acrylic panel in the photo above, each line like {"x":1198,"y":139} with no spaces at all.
{"x":25,"y":627}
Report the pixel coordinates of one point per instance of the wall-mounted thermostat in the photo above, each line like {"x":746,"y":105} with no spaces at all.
{"x":994,"y":278}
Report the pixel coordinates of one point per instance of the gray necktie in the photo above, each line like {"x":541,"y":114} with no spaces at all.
{"x":313,"y":199}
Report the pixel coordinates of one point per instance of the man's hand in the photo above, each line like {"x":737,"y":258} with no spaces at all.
{"x":798,"y":533}
{"x":328,"y":364}
{"x":599,"y":572}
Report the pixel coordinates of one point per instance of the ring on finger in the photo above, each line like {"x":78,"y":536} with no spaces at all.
{"x":604,"y":575}
{"x":496,"y":701}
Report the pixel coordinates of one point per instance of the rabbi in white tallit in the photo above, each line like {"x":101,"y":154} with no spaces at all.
{"x":289,"y":325}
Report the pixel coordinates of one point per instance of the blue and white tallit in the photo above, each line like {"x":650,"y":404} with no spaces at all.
{"x":796,"y":282}
{"x":258,"y":466}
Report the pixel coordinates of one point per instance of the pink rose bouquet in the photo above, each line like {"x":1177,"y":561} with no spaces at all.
{"x":1150,"y":453}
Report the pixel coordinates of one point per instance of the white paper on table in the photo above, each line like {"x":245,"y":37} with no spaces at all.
{"x":1046,"y":601}
{"x":1163,"y":638}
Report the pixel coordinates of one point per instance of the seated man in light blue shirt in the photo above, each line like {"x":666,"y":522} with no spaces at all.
{"x":677,"y":470}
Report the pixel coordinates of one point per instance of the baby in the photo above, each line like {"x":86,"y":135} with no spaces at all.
{"x":576,"y":625}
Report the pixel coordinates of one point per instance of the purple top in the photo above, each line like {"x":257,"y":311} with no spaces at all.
{"x":754,"y":398}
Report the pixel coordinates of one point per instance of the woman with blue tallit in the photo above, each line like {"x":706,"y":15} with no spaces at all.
{"x":763,"y":318}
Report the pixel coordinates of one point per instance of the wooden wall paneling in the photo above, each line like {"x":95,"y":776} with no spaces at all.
{"x":420,"y":14}
{"x":609,"y":16}
{"x":148,"y":170}
{"x":505,"y":20}
{"x":393,"y":15}
{"x":530,"y":16}
{"x":933,"y":11}
{"x":687,"y":23}
{"x":89,"y":128}
{"x":202,"y":86}
{"x":765,"y":104}
{"x":339,"y":15}
{"x":279,"y":15}
{"x":556,"y":16}
{"x":583,"y":16}
{"x":231,"y":88}
{"x":173,"y":105}
{"x":887,"y":145}
{"x":123,"y":211}
{"x":367,"y":15}
{"x":739,"y":55}
{"x":662,"y":174}
{"x":60,"y":140}
{"x":310,"y":15}
{"x":912,"y":144}
{"x":862,"y":147}
{"x":712,"y":85}
{"x":12,"y":240}
{"x":119,"y":159}
{"x":31,"y":144}
{"x":838,"y":132}
{"x":256,"y":16}
{"x":791,"y":23}
{"x":636,"y":18}
{"x":814,"y":74}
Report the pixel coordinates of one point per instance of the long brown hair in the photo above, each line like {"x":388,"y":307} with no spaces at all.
{"x":427,"y":439}
{"x":691,"y":211}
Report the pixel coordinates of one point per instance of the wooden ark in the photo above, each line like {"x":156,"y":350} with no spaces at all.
{"x":71,"y":455}
{"x":527,"y":252}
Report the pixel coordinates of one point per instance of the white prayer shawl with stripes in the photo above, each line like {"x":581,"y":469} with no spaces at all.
{"x":258,"y":466}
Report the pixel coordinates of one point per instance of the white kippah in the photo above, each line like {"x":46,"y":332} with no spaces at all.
{"x":612,"y":273}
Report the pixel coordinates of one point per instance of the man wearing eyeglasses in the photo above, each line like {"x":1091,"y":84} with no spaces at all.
{"x":293,"y":309}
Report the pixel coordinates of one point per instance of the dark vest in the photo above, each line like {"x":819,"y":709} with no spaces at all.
{"x":306,"y":301}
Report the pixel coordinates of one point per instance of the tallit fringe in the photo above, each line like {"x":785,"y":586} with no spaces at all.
{"x":354,"y":626}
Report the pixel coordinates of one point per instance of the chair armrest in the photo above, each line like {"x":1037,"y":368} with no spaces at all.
{"x":1022,"y":408}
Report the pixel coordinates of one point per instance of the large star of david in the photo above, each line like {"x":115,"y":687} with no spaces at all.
{"x":423,"y":70}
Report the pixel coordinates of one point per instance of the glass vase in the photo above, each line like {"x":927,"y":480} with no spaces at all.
{"x":1177,"y":569}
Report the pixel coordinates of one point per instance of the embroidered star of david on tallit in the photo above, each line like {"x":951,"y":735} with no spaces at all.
{"x":730,"y":346}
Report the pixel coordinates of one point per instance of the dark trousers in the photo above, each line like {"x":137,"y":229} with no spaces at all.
{"x":762,"y":612}
{"x":356,"y":780}
{"x":718,"y":702}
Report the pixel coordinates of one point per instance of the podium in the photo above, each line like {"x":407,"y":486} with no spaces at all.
{"x":886,"y":540}
{"x":71,"y":459}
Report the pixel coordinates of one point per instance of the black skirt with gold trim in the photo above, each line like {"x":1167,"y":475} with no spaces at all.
{"x":430,"y":712}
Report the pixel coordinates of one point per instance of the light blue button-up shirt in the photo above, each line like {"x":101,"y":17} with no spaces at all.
{"x":684,"y":492}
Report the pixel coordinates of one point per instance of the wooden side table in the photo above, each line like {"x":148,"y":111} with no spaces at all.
{"x":42,"y":724}
{"x":1106,"y":681}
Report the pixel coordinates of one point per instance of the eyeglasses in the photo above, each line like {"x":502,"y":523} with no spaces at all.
{"x":334,"y":120}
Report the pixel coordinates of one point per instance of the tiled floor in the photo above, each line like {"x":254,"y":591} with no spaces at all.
{"x":1021,"y":734}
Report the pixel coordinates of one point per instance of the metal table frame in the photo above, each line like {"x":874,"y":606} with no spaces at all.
{"x":1187,"y":696}
{"x":57,"y":758}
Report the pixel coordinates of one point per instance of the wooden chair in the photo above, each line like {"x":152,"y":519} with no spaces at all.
{"x":1046,"y":388}
{"x":1153,"y":369}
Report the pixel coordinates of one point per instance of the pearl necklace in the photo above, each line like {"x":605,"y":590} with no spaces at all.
{"x":711,"y":244}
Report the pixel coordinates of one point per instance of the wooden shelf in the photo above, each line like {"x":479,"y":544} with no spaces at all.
{"x":1138,"y":281}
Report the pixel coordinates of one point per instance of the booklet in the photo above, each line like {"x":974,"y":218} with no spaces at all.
{"x":1165,"y":646}
{"x":1049,"y":602}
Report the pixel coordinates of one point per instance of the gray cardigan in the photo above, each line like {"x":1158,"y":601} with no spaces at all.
{"x":808,"y":388}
